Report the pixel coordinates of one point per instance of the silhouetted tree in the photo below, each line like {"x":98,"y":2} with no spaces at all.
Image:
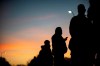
{"x":58,"y":47}
{"x":4,"y":62}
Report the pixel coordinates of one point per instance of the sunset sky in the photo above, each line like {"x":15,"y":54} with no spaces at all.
{"x":26,"y":24}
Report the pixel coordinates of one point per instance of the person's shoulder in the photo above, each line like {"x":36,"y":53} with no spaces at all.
{"x":53,"y":36}
{"x":74,"y":17}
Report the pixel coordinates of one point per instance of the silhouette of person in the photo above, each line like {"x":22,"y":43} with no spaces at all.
{"x":93,"y":17}
{"x":45,"y":57}
{"x":77,"y":44}
{"x":33,"y":62}
{"x":4,"y":62}
{"x":58,"y":47}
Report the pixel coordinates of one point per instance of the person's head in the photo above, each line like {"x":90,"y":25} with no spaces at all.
{"x":81,"y":9}
{"x":94,"y":3}
{"x":91,"y":2}
{"x":47,"y":43}
{"x":42,"y":47}
{"x":58,"y":31}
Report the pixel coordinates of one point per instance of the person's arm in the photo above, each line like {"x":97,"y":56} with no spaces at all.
{"x":72,"y":27}
{"x":65,"y":38}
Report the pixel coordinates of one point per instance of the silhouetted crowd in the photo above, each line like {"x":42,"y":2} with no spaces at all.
{"x":84,"y":42}
{"x":84,"y":31}
{"x":55,"y":57}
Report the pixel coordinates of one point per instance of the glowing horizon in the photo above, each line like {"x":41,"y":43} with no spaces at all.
{"x":23,"y":51}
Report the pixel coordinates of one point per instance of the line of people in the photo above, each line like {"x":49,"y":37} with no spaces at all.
{"x":84,"y":42}
{"x":55,"y":57}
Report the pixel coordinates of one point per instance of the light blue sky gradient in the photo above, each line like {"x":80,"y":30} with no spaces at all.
{"x":17,"y":15}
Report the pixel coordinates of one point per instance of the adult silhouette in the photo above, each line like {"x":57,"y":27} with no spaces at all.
{"x":45,"y":57}
{"x":33,"y":62}
{"x":58,"y":47}
{"x":77,"y":44}
{"x":4,"y":62}
{"x":93,"y":17}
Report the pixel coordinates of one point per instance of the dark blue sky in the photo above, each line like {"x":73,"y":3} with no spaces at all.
{"x":15,"y":13}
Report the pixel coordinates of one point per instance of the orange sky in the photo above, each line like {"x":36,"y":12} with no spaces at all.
{"x":20,"y":49}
